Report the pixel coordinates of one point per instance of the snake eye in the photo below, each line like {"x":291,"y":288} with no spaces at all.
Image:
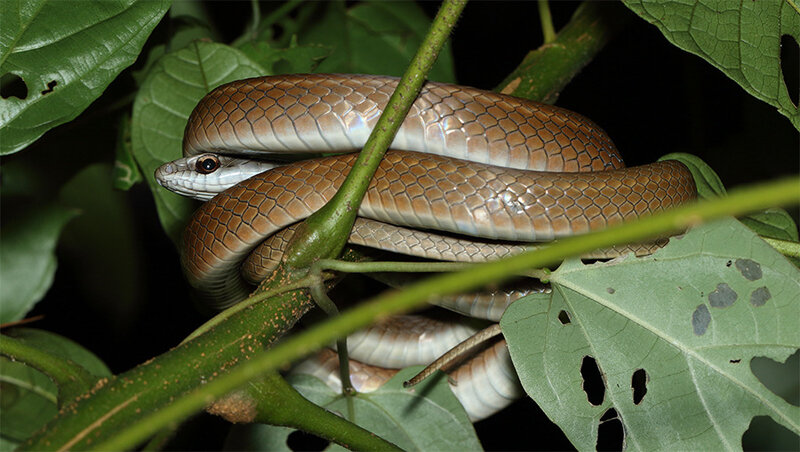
{"x":207,"y":164}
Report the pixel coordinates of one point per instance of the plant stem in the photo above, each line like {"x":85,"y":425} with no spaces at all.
{"x":739,"y":202}
{"x":72,"y":380}
{"x":324,"y":234}
{"x":548,"y":31}
{"x":544,"y":72}
{"x":388,"y":266}
{"x":280,"y":404}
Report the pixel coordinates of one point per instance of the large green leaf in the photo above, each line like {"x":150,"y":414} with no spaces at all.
{"x":427,"y":417}
{"x":106,"y":223}
{"x":28,"y":397}
{"x":66,"y":53}
{"x":27,"y":260}
{"x":742,"y":39}
{"x":688,"y":318}
{"x":371,"y":38}
{"x":170,"y":91}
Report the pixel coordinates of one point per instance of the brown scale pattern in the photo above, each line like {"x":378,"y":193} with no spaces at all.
{"x":425,"y":191}
{"x":330,"y":112}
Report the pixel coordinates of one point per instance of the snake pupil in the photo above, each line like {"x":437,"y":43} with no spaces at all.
{"x":207,"y":164}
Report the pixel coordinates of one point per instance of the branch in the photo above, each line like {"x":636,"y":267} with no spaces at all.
{"x":273,"y":401}
{"x":544,"y":72}
{"x":72,"y":380}
{"x":739,"y":202}
{"x":324,"y":234}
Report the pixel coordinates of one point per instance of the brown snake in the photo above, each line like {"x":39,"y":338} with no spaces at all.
{"x":465,"y":161}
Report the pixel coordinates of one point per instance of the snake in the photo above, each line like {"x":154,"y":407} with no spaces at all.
{"x":499,"y":171}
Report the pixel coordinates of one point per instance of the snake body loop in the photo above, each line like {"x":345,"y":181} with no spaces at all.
{"x":421,"y":191}
{"x":336,"y":112}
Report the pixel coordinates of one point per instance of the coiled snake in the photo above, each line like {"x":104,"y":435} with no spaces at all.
{"x":465,"y":161}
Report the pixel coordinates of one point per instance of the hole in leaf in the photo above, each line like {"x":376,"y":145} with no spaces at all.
{"x":593,"y":384}
{"x":13,"y":85}
{"x":563,"y":317}
{"x":639,"y":385}
{"x":52,"y":84}
{"x":790,"y":59}
{"x":610,"y":433}
{"x":610,"y":414}
{"x":298,"y":440}
{"x":735,"y":361}
{"x":766,"y":434}
{"x":780,"y":378}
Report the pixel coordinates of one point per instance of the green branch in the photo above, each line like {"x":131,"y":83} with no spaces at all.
{"x":277,"y":403}
{"x":739,"y":202}
{"x":324,"y":234}
{"x":544,"y":72}
{"x":72,"y":380}
{"x":548,"y":31}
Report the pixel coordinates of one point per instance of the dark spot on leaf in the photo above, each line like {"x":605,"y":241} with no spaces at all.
{"x":774,"y":375}
{"x":723,"y":297}
{"x":12,"y":85}
{"x":610,"y":434}
{"x":593,"y":384}
{"x":700,"y":320}
{"x":52,"y":84}
{"x":790,"y":60}
{"x":728,"y":264}
{"x":610,"y":290}
{"x":760,"y":296}
{"x":639,"y":385}
{"x":749,"y":268}
{"x":298,"y":440}
{"x":735,"y":361}
{"x":563,"y":317}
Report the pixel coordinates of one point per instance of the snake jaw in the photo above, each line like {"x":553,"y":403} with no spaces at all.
{"x":181,"y":176}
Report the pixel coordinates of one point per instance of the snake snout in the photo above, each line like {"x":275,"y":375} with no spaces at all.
{"x":163,"y":173}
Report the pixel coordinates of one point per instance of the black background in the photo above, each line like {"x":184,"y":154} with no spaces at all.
{"x":651,"y":98}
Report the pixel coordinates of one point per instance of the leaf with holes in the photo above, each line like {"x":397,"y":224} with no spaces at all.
{"x":426,"y":417}
{"x":61,"y":56}
{"x":673,"y":335}
{"x":742,"y":39}
{"x":170,"y":91}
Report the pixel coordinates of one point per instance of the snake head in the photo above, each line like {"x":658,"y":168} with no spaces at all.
{"x":204,"y":176}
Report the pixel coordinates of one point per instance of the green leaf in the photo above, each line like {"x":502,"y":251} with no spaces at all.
{"x":106,"y":223}
{"x":371,"y":37}
{"x":713,"y":300}
{"x":708,"y":183}
{"x":742,"y":39}
{"x":772,"y":223}
{"x":293,"y":60}
{"x":126,"y":173}
{"x":168,"y":94}
{"x":428,"y":417}
{"x":28,"y":397}
{"x":27,"y":242}
{"x":66,"y":54}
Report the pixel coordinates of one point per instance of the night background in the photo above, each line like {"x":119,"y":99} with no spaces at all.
{"x":649,"y":96}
